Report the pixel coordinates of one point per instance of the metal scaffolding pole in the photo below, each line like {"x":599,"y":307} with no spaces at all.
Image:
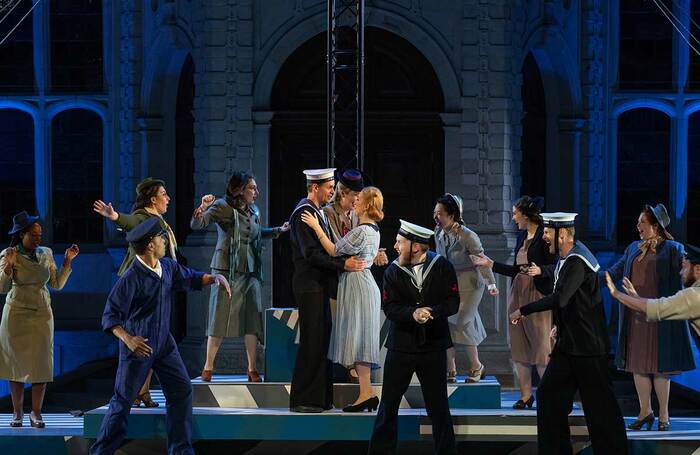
{"x":346,"y":83}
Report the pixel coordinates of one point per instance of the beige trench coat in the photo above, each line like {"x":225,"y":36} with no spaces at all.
{"x":26,"y":329}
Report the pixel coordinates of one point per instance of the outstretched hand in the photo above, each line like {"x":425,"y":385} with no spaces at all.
{"x":285,"y":227}
{"x":106,"y":210}
{"x":481,"y":260}
{"x":71,"y":252}
{"x":611,"y":285}
{"x":629,"y":287}
{"x":534,"y":270}
{"x":220,"y":280}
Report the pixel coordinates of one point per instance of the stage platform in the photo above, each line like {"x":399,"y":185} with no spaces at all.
{"x":492,"y":428}
{"x":236,"y":392}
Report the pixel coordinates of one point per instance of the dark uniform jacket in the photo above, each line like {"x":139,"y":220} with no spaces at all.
{"x":401,"y":297}
{"x":314,"y":269}
{"x":577,"y":306}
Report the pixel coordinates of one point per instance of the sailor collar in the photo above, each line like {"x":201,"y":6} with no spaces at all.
{"x":582,"y":252}
{"x":430,"y":260}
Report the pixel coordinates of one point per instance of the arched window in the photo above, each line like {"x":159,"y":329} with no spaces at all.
{"x":16,"y":54}
{"x":76,"y":46}
{"x":533,"y":141}
{"x":76,"y":177}
{"x":646,"y":46}
{"x":643,"y":143}
{"x":16,"y":168}
{"x":693,"y":218}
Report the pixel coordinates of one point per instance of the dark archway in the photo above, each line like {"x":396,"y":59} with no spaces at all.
{"x":533,"y":142}
{"x":184,"y":181}
{"x":643,"y":145}
{"x":404,"y":140}
{"x":184,"y":151}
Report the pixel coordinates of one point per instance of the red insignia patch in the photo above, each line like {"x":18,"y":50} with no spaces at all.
{"x":385,"y":295}
{"x":454,"y":288}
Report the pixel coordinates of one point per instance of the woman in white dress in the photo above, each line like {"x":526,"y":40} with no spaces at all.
{"x":356,"y":325}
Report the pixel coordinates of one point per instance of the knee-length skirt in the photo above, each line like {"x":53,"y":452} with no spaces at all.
{"x":239,"y":315}
{"x":26,"y":344}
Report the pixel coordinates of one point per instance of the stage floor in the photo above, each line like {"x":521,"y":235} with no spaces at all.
{"x":279,"y":424}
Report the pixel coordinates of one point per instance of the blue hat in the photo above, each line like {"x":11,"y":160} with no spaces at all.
{"x":692,"y":253}
{"x":144,"y":231}
{"x":22,"y":221}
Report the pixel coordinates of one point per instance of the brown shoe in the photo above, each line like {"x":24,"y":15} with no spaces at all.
{"x":206,"y":375}
{"x":254,"y":376}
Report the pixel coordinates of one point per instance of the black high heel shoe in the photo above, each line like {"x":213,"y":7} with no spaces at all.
{"x":664,"y":426}
{"x":520,"y":404}
{"x":639,"y":423}
{"x":370,"y":404}
{"x":36,"y":423}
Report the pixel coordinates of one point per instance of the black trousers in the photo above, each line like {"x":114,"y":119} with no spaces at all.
{"x":555,"y":397}
{"x":430,"y":368}
{"x":312,"y":382}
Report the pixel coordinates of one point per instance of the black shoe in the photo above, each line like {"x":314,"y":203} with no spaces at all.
{"x":36,"y":423}
{"x":520,"y":404}
{"x":664,"y":426}
{"x":639,"y":423}
{"x":307,"y":409}
{"x":370,"y":404}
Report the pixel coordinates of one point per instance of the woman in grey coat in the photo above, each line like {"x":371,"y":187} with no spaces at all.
{"x":456,"y":242}
{"x":238,"y":256}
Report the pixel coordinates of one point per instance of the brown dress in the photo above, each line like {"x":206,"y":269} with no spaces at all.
{"x":642,"y":343}
{"x":530,"y":342}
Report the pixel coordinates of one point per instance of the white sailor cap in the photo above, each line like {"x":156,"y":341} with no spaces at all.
{"x":558,"y":219}
{"x":319,"y":175}
{"x":415,"y":233}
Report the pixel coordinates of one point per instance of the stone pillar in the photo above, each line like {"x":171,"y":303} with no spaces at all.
{"x":488,"y":177}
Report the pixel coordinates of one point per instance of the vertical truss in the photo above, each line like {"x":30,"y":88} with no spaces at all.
{"x":346,"y":80}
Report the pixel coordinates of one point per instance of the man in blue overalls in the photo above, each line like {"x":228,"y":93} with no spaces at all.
{"x":138,"y":313}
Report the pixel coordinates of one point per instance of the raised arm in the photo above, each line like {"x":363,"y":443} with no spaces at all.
{"x":58,"y":279}
{"x":313,"y":222}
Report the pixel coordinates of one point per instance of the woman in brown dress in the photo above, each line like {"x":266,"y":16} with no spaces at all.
{"x":652,"y":351}
{"x":530,"y":341}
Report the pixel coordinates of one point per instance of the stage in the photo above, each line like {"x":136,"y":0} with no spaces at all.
{"x":498,"y":430}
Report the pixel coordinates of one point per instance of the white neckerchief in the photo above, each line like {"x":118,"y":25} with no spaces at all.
{"x":418,"y":273}
{"x":158,"y":270}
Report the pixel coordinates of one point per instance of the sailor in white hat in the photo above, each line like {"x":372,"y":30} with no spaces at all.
{"x":314,"y":281}
{"x":420,"y":292}
{"x":579,"y":359}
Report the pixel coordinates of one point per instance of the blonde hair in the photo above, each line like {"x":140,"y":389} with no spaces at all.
{"x":374,"y":202}
{"x":340,"y":192}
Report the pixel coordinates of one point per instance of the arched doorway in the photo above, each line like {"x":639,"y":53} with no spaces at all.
{"x":404,"y":140}
{"x":533,"y":141}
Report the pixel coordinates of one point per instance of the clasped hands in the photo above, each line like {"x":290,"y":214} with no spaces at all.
{"x":423,"y":314}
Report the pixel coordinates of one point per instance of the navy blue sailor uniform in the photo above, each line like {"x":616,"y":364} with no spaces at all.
{"x":314,"y":281}
{"x":141,"y":303}
{"x":578,"y":360}
{"x":417,"y":348}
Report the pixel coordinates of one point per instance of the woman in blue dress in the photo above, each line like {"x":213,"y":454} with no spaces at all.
{"x":356,"y":325}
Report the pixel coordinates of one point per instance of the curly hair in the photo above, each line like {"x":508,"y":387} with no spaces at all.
{"x":143,"y":199}
{"x":375,"y":202}
{"x":236,"y":185}
{"x":531,"y":207}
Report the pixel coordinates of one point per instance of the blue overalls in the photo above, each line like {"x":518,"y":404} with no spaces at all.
{"x":141,"y":303}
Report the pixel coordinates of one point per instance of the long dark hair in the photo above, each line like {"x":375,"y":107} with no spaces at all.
{"x":531,"y":207}
{"x":451,"y":207}
{"x":236,"y":184}
{"x":143,"y":199}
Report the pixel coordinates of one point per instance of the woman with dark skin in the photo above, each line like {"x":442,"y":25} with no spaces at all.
{"x":151,"y":201}
{"x":26,"y":330}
